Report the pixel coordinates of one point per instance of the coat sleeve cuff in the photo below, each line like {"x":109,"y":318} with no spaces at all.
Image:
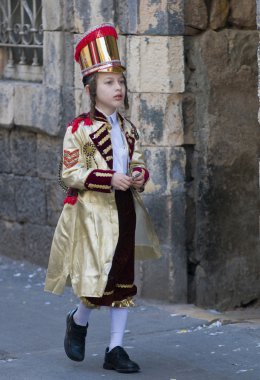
{"x":144,"y":171}
{"x":99,"y":180}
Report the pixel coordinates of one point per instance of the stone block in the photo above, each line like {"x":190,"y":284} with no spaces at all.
{"x":30,"y":200}
{"x":49,"y":153}
{"x":5,"y":155}
{"x":157,"y":163}
{"x":160,"y":119}
{"x":178,"y":279}
{"x":147,"y":56}
{"x":7,"y":197}
{"x":195,"y":14}
{"x":218,"y":14}
{"x":155,"y":277}
{"x":12,"y":240}
{"x":53,"y":55}
{"x":52,"y":15}
{"x":55,"y":197}
{"x":23,"y":152}
{"x":82,"y":101}
{"x":38,"y":108}
{"x":177,"y":165}
{"x":7,"y":104}
{"x":243,"y":14}
{"x":150,"y":17}
{"x":189,"y":118}
{"x":38,"y":241}
{"x":159,"y":209}
{"x":88,"y":14}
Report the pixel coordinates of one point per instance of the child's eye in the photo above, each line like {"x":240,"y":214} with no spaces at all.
{"x":109,"y":82}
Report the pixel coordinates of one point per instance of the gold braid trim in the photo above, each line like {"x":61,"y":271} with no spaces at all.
{"x":108,"y":158}
{"x":93,"y":186}
{"x":127,"y":302}
{"x":98,"y":174}
{"x":125,"y":286}
{"x":99,"y":132}
{"x":87,"y":303}
{"x":102,"y":141}
{"x":108,"y":293}
{"x":107,"y":149}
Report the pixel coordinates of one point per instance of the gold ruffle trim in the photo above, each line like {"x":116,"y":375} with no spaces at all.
{"x":99,"y":174}
{"x":88,"y":304}
{"x":108,"y":293}
{"x":93,"y":186}
{"x":128,"y":302}
{"x":125,"y":286}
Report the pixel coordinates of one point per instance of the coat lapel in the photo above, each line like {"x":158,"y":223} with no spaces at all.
{"x":101,"y":139}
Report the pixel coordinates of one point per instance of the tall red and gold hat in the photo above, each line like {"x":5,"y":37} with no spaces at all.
{"x":97,"y":51}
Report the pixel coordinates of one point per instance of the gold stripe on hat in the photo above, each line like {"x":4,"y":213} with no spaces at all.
{"x":104,"y":49}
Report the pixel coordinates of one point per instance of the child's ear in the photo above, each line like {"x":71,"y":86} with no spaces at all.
{"x":87,"y":89}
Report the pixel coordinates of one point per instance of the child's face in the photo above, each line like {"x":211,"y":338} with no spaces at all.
{"x":110,"y":92}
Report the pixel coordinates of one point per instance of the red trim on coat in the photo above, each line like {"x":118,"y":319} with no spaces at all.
{"x":140,"y":170}
{"x":75,"y":122}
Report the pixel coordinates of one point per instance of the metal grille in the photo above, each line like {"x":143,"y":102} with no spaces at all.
{"x":21,"y":31}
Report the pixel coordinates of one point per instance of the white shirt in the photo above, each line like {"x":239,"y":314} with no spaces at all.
{"x":120,"y":150}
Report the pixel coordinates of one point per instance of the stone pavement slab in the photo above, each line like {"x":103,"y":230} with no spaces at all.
{"x":169,"y":342}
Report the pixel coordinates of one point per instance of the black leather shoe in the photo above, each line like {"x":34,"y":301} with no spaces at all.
{"x":74,"y":341}
{"x":118,"y":360}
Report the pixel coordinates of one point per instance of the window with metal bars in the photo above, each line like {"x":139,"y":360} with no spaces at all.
{"x":21,"y":39}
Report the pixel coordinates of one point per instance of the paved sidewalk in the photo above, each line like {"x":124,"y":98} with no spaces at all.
{"x":169,"y":342}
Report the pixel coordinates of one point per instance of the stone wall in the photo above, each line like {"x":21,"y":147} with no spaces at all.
{"x":221,"y":85}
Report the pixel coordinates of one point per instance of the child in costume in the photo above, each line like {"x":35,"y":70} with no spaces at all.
{"x":103,"y":226}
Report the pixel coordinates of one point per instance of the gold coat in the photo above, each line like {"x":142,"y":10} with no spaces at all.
{"x":87,"y":232}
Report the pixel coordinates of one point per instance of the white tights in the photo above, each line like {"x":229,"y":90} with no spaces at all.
{"x":118,"y":322}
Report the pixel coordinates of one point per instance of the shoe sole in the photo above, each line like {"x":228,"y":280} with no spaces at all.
{"x":110,"y":367}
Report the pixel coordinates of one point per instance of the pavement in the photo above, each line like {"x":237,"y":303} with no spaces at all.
{"x":169,"y":342}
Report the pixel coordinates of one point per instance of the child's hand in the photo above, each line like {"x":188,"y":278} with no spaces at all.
{"x":138,"y":180}
{"x":121,"y":181}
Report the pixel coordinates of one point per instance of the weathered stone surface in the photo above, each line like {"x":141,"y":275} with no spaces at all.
{"x":144,"y":63}
{"x":188,"y":116}
{"x":243,"y":13}
{"x":218,"y":14}
{"x":160,"y":119}
{"x":23,"y":152}
{"x":177,"y":164}
{"x":195,"y":15}
{"x":53,"y":52}
{"x":38,"y":241}
{"x":5,"y":155}
{"x":150,"y":17}
{"x":157,"y":163}
{"x":7,"y":197}
{"x":7,"y":104}
{"x":49,"y":153}
{"x":88,"y":14}
{"x":155,"y":277}
{"x":30,"y":200}
{"x":55,"y":197}
{"x":225,"y":256}
{"x":57,"y":15}
{"x":43,"y":108}
{"x":52,"y":15}
{"x":12,"y":240}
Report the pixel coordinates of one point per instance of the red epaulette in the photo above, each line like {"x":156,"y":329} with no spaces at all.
{"x":75,"y":122}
